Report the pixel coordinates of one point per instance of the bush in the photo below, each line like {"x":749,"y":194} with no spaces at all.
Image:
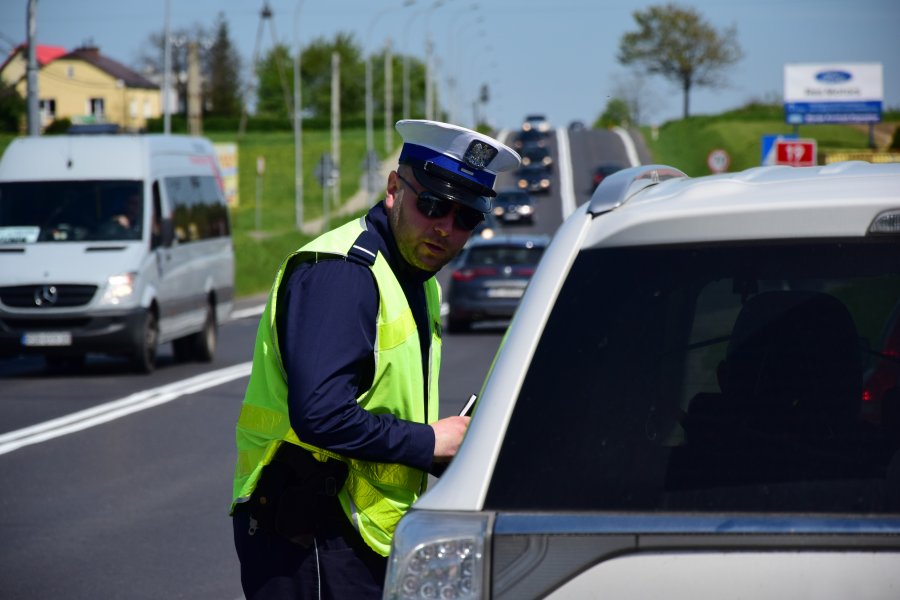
{"x":58,"y":127}
{"x":895,"y":143}
{"x":12,"y":108}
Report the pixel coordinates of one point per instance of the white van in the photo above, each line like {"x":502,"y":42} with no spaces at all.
{"x":113,"y":244}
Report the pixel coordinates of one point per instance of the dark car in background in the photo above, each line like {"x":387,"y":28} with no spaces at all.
{"x":536,"y":154}
{"x":531,"y":137}
{"x":603,"y":171}
{"x":536,"y":122}
{"x":514,"y":206}
{"x":490,"y":276}
{"x":487,"y":228}
{"x":533,"y":178}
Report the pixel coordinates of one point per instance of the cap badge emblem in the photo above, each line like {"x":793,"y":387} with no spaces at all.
{"x":478,"y":155}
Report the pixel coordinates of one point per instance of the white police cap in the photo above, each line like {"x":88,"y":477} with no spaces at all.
{"x":453,"y":161}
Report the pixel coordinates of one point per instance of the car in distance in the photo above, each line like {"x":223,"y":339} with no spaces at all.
{"x":488,"y":228}
{"x":536,"y":122}
{"x":489,"y":278}
{"x":514,"y":206}
{"x":536,"y":154}
{"x":698,"y":397}
{"x":530,"y":137}
{"x":533,"y":178}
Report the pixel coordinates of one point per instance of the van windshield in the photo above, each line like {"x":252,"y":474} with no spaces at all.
{"x":70,"y":211}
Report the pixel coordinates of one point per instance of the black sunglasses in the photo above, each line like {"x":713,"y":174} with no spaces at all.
{"x":435,"y":207}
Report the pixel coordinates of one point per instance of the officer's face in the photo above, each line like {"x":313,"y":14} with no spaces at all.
{"x":425,"y":243}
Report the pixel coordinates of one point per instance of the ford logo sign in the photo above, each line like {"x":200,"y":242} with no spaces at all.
{"x":833,"y":76}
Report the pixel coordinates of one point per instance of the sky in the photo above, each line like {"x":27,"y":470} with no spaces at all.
{"x":556,"y":57}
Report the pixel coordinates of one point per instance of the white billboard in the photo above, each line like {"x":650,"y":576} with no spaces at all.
{"x":833,"y":92}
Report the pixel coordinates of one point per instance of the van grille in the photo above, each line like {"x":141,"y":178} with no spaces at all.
{"x":47,"y":295}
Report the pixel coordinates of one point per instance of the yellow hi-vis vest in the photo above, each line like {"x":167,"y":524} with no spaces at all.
{"x":375,"y":495}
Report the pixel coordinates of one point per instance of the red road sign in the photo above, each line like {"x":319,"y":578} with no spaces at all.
{"x":796,"y":153}
{"x":718,"y":161}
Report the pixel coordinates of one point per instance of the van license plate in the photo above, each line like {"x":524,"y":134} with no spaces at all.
{"x":47,"y":338}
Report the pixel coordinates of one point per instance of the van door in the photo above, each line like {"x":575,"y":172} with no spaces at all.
{"x":172,"y":259}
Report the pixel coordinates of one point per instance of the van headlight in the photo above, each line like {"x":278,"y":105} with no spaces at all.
{"x":118,"y":288}
{"x":438,"y":555}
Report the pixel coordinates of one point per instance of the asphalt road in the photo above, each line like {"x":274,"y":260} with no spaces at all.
{"x":117,"y":485}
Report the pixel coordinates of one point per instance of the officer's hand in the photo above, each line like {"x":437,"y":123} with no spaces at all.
{"x":448,"y":435}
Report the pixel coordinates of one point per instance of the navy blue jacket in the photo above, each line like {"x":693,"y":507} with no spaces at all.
{"x":326,"y":327}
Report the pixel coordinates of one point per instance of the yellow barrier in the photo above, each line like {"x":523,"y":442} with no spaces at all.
{"x":868,"y":156}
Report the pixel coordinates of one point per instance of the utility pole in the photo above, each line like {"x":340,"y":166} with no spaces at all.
{"x":167,"y":75}
{"x":298,"y":126}
{"x":194,"y":105}
{"x":34,"y":116}
{"x":428,"y":75}
{"x":388,"y":99}
{"x":336,"y":123}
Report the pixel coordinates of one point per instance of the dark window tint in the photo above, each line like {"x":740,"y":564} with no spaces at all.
{"x":715,"y":378}
{"x":70,"y":211}
{"x":504,"y":255}
{"x":199,"y":211}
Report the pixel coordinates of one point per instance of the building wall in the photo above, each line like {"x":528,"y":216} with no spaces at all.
{"x":74,"y":83}
{"x":15,"y":69}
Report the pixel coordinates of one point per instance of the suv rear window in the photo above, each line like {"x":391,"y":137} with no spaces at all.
{"x":728,"y":377}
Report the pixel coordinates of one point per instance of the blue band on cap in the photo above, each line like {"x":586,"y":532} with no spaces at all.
{"x":421,"y":153}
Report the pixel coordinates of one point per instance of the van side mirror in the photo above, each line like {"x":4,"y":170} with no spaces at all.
{"x":166,"y":234}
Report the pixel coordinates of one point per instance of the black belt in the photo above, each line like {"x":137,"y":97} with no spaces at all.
{"x":296,"y":496}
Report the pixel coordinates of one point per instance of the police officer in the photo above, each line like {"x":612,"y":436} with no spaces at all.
{"x":339,"y":427}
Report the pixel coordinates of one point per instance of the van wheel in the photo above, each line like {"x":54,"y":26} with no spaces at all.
{"x":143,"y":358}
{"x":200,"y":346}
{"x":204,"y":342}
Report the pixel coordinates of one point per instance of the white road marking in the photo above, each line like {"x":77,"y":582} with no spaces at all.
{"x":109,"y":411}
{"x":103,"y":413}
{"x":630,"y":150}
{"x":566,"y":184}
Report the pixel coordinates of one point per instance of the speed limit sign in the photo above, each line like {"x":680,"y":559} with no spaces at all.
{"x":718,"y":161}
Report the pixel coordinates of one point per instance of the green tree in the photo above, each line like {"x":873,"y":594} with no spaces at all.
{"x":12,"y":108}
{"x":615,"y":114}
{"x":316,"y":72}
{"x":223,"y":64}
{"x":416,"y":85}
{"x":276,"y":79}
{"x":677,"y":43}
{"x":274,"y":92}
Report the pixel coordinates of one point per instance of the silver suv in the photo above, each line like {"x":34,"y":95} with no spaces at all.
{"x":698,"y":397}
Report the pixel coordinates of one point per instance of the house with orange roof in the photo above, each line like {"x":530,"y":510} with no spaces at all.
{"x":85,"y":86}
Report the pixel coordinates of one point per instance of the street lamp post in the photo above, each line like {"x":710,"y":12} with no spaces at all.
{"x":298,"y":129}
{"x":461,"y":61}
{"x":429,"y":64}
{"x":370,"y":135}
{"x":454,"y":77}
{"x":406,"y":30}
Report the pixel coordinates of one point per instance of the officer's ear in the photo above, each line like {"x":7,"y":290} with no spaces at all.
{"x":393,"y":188}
